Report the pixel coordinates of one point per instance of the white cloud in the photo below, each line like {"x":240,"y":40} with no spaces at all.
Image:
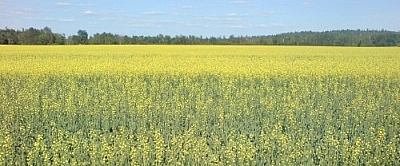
{"x":62,"y":4}
{"x":219,"y":18}
{"x":66,"y":20}
{"x":18,"y":13}
{"x":260,"y":14}
{"x":24,"y":12}
{"x":188,"y":7}
{"x":236,"y":26}
{"x":306,"y":3}
{"x":153,"y":13}
{"x":195,"y":7}
{"x":278,"y":24}
{"x":232,"y":14}
{"x":240,"y":2}
{"x":39,"y":18}
{"x":262,"y":26}
{"x":88,"y":12}
{"x":257,"y":14}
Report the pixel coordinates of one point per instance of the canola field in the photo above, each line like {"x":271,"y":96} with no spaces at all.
{"x":199,"y":105}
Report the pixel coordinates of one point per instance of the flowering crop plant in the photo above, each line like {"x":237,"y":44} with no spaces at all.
{"x":199,"y":105}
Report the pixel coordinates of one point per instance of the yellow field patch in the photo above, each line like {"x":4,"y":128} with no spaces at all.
{"x":199,"y":105}
{"x":199,"y":59}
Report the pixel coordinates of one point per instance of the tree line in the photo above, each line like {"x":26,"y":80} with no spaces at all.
{"x":358,"y":37}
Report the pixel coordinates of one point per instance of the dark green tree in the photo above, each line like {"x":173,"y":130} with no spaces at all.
{"x":49,"y":35}
{"x":42,"y":39}
{"x":82,"y":37}
{"x":59,"y":39}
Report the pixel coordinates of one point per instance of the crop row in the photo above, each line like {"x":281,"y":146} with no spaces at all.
{"x":197,"y":119}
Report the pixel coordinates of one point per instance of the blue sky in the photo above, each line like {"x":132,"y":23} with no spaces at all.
{"x":199,"y":17}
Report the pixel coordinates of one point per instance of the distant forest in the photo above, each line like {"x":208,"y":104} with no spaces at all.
{"x":358,"y":38}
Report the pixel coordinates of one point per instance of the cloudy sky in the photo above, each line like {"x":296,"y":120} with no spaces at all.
{"x":199,"y":17}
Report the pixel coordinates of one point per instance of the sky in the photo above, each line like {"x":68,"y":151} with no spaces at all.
{"x":199,"y":17}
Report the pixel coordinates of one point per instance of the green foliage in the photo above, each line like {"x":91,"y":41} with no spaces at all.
{"x":31,"y":36}
{"x":327,"y":38}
